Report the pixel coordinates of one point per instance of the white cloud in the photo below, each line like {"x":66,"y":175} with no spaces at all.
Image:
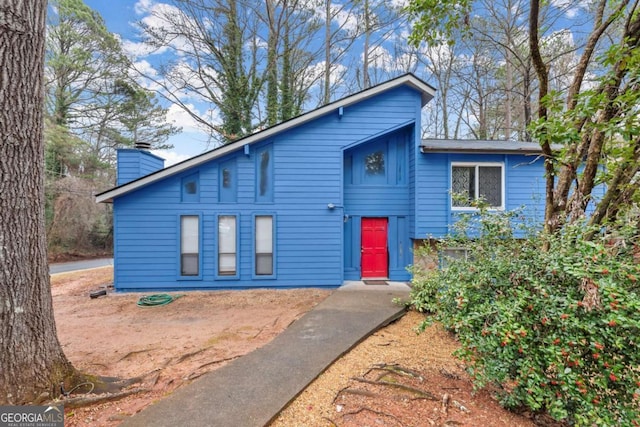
{"x":170,"y":157}
{"x":178,"y":116}
{"x":571,"y":8}
{"x":142,"y":6}
{"x":141,"y":49}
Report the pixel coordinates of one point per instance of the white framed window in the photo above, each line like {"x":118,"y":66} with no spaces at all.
{"x":264,"y":245}
{"x":472,"y":181}
{"x":227,"y":245}
{"x":190,"y":245}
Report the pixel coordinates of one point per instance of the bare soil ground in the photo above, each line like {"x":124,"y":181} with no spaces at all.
{"x":167,"y":346}
{"x":393,"y":378}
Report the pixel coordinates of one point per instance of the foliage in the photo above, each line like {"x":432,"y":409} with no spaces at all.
{"x":553,"y":330}
{"x":587,"y":94}
{"x":437,"y":20}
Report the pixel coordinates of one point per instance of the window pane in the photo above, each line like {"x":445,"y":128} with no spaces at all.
{"x":264,"y":172}
{"x":227,"y":234}
{"x":227,"y":264}
{"x":490,"y":183}
{"x":449,"y":254}
{"x":189,"y":235}
{"x":264,"y":234}
{"x":374,"y":163}
{"x":463,"y":184}
{"x":189,"y":265}
{"x":226,"y":178}
{"x":264,"y":245}
{"x":264,"y":264}
{"x":227,"y":245}
{"x":190,"y":187}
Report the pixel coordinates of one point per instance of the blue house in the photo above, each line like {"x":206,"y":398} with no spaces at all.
{"x":343,"y":192}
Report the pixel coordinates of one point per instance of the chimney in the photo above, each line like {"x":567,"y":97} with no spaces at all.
{"x":134,"y":163}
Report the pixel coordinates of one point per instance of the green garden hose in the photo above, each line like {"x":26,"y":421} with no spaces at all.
{"x":157,"y":300}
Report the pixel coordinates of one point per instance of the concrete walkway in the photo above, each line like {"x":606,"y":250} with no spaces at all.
{"x":253,"y":389}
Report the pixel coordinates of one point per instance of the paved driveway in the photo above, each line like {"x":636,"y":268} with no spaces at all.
{"x":65,"y":267}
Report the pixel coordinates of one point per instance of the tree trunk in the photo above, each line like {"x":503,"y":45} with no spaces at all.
{"x":551,"y":221}
{"x":32,"y":359}
{"x":366,"y":81}
{"x":272,"y":65}
{"x":327,"y":53}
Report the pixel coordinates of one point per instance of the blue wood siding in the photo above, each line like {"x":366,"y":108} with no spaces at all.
{"x":524,"y":187}
{"x":307,"y":176}
{"x":133,"y":164}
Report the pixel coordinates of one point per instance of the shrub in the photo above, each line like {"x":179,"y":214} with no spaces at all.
{"x":553,"y":330}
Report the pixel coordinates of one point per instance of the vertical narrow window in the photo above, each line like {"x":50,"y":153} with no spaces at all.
{"x":264,"y":175}
{"x":264,"y":245}
{"x":227,"y":245}
{"x":228,"y":182}
{"x":401,"y":162}
{"x":189,"y":245}
{"x":190,"y":191}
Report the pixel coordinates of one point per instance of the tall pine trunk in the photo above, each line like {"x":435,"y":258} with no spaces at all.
{"x":31,"y":360}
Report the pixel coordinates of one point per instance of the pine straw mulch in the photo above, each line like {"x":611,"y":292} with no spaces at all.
{"x":398,"y":378}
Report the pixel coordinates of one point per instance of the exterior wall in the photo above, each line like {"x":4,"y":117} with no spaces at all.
{"x":307,"y":176}
{"x":524,"y":186}
{"x":134,"y":163}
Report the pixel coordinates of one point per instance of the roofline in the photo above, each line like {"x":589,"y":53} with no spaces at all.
{"x":409,"y":79}
{"x":474,"y":146}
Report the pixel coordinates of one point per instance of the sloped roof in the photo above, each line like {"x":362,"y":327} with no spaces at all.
{"x":479,"y":146}
{"x":409,"y":79}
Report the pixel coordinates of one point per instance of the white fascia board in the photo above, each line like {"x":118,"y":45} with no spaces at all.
{"x":427,"y":92}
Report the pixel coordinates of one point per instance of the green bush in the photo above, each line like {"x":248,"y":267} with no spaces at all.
{"x":553,"y":330}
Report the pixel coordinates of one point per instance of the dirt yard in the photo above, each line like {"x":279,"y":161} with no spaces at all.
{"x":167,"y":346}
{"x":393,"y":378}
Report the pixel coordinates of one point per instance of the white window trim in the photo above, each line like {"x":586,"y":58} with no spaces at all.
{"x":476,"y":165}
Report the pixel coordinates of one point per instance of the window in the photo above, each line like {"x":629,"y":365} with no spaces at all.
{"x":474,"y":181}
{"x":190,"y":245}
{"x":264,"y":175}
{"x":448,"y":254}
{"x":264,"y":245}
{"x":228,"y":182}
{"x":227,"y":245}
{"x":375,"y":164}
{"x":190,"y":188}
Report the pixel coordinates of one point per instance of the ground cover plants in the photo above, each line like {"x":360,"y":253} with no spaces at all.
{"x":550,"y":321}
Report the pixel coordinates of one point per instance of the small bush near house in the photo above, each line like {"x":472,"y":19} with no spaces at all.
{"x":552,"y":330}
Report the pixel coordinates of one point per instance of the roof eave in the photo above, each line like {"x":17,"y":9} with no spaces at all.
{"x":526,"y":151}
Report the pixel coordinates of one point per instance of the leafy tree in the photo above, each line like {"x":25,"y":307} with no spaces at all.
{"x":32,"y":359}
{"x":143,"y":119}
{"x":594,"y":122}
{"x":248,"y":61}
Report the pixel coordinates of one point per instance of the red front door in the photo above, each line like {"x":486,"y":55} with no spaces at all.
{"x":374,"y":248}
